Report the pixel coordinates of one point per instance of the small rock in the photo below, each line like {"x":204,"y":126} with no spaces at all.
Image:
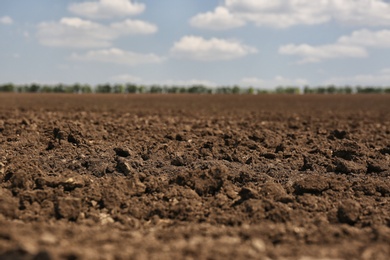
{"x":313,"y":184}
{"x":258,"y":245}
{"x":105,"y":219}
{"x":178,"y":161}
{"x":124,"y":167}
{"x":349,"y":212}
{"x":230,"y":192}
{"x":2,"y":168}
{"x":73,"y":183}
{"x":48,"y":239}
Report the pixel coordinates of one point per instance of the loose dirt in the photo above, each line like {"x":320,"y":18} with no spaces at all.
{"x":194,"y":177}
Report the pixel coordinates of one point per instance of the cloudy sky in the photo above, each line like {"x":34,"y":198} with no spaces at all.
{"x":259,"y":43}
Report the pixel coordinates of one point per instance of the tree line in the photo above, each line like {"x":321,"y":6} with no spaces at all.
{"x":194,"y":89}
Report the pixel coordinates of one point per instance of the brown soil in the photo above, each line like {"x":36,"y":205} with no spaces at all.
{"x":194,"y":177}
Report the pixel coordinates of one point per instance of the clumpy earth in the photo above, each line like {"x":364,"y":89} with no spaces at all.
{"x":194,"y":177}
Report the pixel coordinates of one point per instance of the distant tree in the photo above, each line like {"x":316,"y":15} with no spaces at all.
{"x":86,"y":88}
{"x":197,"y":89}
{"x":141,"y":89}
{"x":131,"y":88}
{"x":236,"y":90}
{"x":369,"y":90}
{"x":104,"y":88}
{"x":59,"y":88}
{"x":156,"y":89}
{"x":344,"y":90}
{"x":331,"y":89}
{"x":47,"y":89}
{"x":75,"y":88}
{"x":280,"y":90}
{"x":321,"y":90}
{"x":34,"y":88}
{"x":348,"y":90}
{"x":224,"y":90}
{"x":172,"y":89}
{"x":250,"y":91}
{"x":20,"y":89}
{"x":262,"y":91}
{"x":118,"y":88}
{"x":307,"y":90}
{"x":9,"y":87}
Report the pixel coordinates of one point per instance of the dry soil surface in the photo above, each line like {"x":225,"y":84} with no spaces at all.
{"x":194,"y":177}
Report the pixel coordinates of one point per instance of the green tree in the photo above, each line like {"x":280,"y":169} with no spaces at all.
{"x":236,"y":90}
{"x":76,"y":88}
{"x":197,"y":89}
{"x":9,"y":87}
{"x":156,"y":89}
{"x":104,"y":88}
{"x":59,"y":88}
{"x":331,"y":89}
{"x":47,"y":89}
{"x":131,"y":88}
{"x":34,"y":88}
{"x":86,"y":88}
{"x":118,"y":88}
{"x":250,"y":91}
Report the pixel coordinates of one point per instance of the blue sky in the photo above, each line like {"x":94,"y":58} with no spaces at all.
{"x":258,"y":43}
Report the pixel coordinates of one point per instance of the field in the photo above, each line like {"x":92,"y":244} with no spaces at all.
{"x":194,"y":176}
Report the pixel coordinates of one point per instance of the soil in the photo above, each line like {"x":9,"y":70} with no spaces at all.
{"x":194,"y":176}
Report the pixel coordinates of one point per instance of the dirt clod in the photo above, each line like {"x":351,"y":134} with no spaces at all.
{"x":349,"y":212}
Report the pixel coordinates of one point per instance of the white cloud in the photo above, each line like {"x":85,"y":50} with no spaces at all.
{"x":220,"y":19}
{"x":74,"y":33}
{"x":6,"y":20}
{"x":104,"y":9}
{"x":272,"y":83}
{"x":381,"y":78}
{"x":186,"y":83}
{"x":124,"y":78}
{"x":311,"y":54}
{"x":287,"y":13}
{"x":198,"y":48}
{"x":380,"y":39}
{"x":385,"y":71}
{"x":117,"y":56}
{"x":253,"y":5}
{"x":361,"y":12}
{"x":134,"y":27}
{"x":79,"y":33}
{"x":350,"y":46}
{"x":280,"y":14}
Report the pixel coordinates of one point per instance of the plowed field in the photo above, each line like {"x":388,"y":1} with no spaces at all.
{"x":194,"y":177}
